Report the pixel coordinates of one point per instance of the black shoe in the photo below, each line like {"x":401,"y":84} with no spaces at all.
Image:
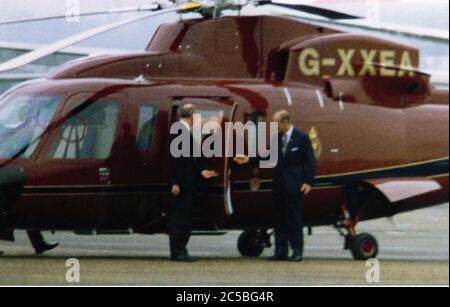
{"x":45,"y":248}
{"x":296,"y":258}
{"x":277,"y":258}
{"x":184,"y":258}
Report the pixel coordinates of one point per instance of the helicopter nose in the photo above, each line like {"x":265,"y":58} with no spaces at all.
{"x":12,"y":181}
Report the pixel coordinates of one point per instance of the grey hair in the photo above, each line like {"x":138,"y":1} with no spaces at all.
{"x":187,"y":111}
{"x":284,"y":115}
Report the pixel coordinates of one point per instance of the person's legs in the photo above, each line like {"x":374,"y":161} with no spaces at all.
{"x":4,"y":234}
{"x":180,"y":225}
{"x":186,"y":225}
{"x":281,"y":231}
{"x":39,"y":244}
{"x":294,"y":220}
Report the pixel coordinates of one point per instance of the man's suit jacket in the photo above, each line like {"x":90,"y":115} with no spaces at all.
{"x":185,"y":171}
{"x":297,"y":166}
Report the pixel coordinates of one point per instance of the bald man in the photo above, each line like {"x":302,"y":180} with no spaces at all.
{"x":294,"y":178}
{"x":185,"y":176}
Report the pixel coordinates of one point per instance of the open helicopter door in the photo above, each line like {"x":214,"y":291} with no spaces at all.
{"x":214,"y":199}
{"x":229,"y":140}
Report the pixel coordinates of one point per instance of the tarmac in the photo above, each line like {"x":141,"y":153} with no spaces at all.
{"x":414,"y":250}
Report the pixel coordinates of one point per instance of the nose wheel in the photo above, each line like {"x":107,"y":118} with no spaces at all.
{"x":251,"y":243}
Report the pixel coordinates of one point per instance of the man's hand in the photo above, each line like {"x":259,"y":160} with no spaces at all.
{"x":306,"y":189}
{"x":241,"y":159}
{"x":207,"y":174}
{"x":176,"y":190}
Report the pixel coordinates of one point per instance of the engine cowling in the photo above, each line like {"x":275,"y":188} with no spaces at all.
{"x":360,"y":69}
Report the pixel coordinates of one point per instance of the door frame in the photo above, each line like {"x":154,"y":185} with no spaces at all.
{"x":228,"y":201}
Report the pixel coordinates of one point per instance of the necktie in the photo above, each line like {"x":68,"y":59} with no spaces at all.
{"x":285,"y":144}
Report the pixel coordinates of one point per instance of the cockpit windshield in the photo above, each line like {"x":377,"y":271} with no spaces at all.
{"x":23,"y":119}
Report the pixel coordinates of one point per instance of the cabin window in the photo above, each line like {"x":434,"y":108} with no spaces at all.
{"x":204,"y":107}
{"x":148,"y":115}
{"x":89,"y":134}
{"x":23,"y":120}
{"x":211,"y":116}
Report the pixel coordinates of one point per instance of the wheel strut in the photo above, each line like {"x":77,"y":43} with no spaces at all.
{"x":362,"y":246}
{"x":347,"y":225}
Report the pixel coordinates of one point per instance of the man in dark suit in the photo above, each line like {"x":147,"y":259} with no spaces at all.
{"x":293,"y":178}
{"x":185,"y":177}
{"x":12,"y":180}
{"x":39,"y":244}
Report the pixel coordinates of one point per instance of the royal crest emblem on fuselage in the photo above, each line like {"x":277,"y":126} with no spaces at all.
{"x":315,"y":141}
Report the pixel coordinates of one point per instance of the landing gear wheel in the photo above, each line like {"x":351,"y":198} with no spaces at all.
{"x":251,"y":243}
{"x":364,"y":247}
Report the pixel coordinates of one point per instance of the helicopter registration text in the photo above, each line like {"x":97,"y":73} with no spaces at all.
{"x":311,"y":63}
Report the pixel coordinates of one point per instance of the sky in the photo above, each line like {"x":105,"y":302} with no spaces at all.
{"x":420,"y":13}
{"x":431,"y":13}
{"x":137,"y":34}
{"x":11,"y":9}
{"x":423,"y":13}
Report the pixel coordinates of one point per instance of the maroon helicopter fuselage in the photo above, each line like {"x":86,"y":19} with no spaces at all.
{"x":376,"y":124}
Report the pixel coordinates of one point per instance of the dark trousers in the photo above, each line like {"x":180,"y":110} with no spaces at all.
{"x":288,"y":218}
{"x":36,"y":239}
{"x":180,"y":225}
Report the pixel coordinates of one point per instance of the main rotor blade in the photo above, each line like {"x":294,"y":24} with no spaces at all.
{"x":108,"y":12}
{"x":330,"y":14}
{"x":72,"y":40}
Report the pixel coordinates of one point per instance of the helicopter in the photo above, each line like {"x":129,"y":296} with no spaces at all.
{"x":87,"y":148}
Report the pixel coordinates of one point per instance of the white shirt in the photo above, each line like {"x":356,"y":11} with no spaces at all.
{"x":288,"y":134}
{"x":185,"y":124}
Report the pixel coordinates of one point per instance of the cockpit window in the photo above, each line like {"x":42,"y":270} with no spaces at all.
{"x":23,"y":120}
{"x":90,"y":134}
